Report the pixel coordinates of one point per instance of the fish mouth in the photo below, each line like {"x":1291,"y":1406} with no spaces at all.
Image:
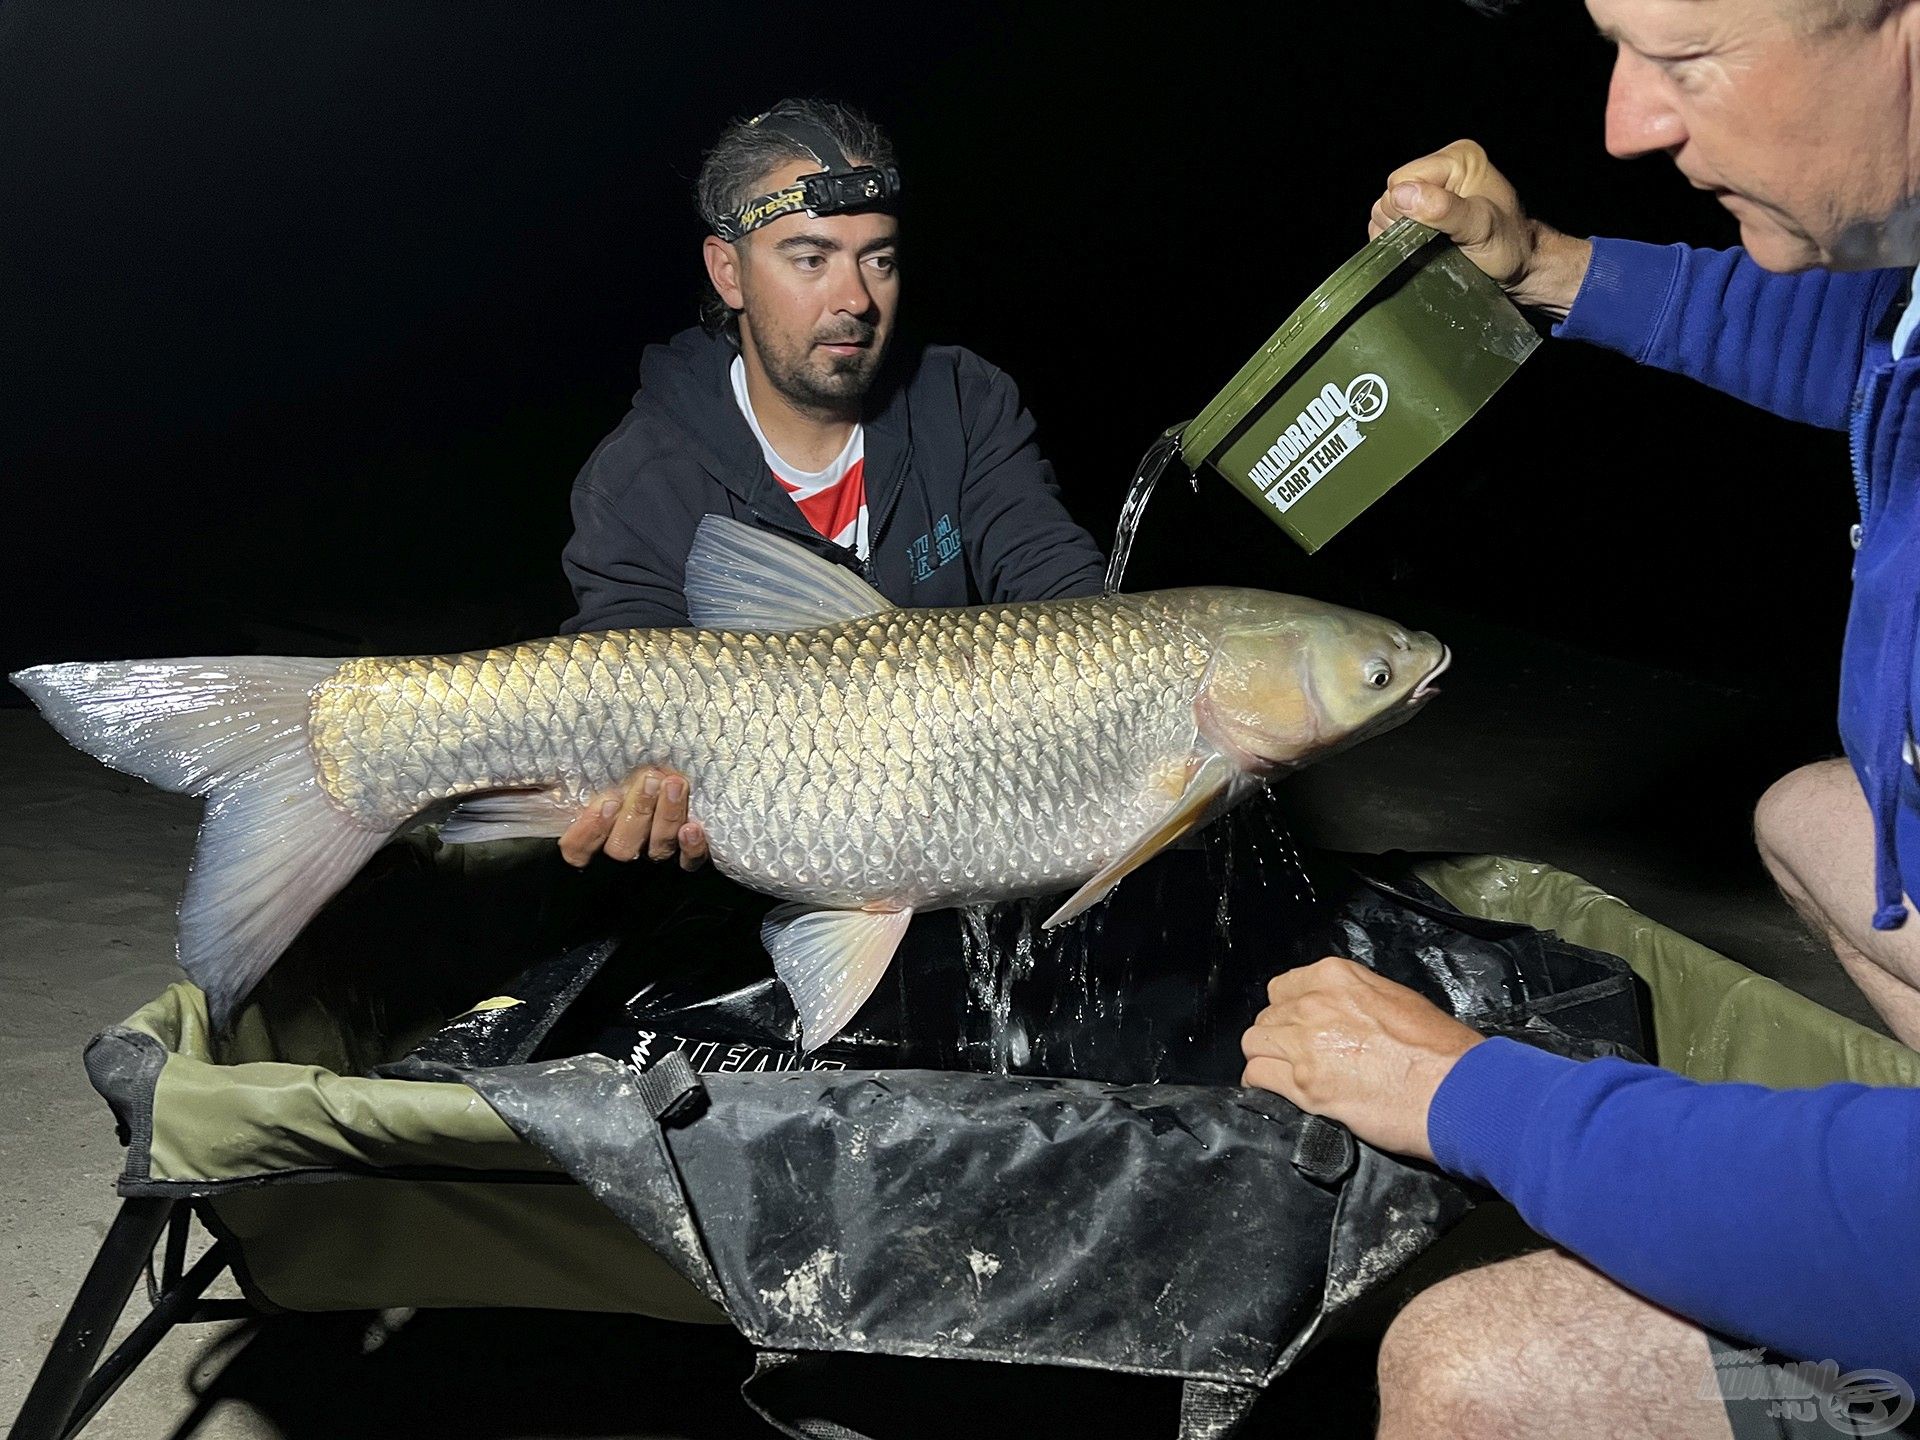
{"x":1425,"y":688}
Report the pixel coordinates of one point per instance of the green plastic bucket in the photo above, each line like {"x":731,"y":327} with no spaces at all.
{"x":1393,"y":354}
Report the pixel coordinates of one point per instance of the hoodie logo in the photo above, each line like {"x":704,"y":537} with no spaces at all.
{"x":934,"y":549}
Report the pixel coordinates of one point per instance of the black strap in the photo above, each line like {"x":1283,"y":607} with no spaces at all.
{"x":1210,"y":1410}
{"x":816,"y":140}
{"x":670,"y":1089}
{"x":762,"y":210}
{"x":838,"y":187}
{"x":1324,"y":1151}
{"x":798,"y":1427}
{"x":790,"y":200}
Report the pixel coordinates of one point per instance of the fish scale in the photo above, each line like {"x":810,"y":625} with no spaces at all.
{"x":821,"y":760}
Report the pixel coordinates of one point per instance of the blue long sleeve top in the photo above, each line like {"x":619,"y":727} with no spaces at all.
{"x":1785,"y":1218}
{"x":1817,"y":347}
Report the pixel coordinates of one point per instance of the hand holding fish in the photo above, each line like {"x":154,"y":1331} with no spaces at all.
{"x":1340,"y":1041}
{"x":647,"y":813}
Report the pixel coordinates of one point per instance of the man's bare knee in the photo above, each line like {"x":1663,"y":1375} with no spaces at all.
{"x":1798,"y":817}
{"x":1543,"y":1345}
{"x":1800,"y":804}
{"x":1467,"y":1357}
{"x":1438,"y":1376}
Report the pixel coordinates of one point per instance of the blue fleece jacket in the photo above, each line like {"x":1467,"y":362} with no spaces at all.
{"x":1786,"y":1218}
{"x":1815,"y":347}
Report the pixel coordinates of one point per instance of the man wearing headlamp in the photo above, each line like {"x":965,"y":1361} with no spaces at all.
{"x":785,"y":410}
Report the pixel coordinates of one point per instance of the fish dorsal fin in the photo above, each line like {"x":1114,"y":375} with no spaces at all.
{"x":743,"y":579}
{"x":1211,"y":783}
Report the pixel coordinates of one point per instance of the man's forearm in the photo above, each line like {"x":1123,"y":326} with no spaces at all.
{"x":1559,"y":269}
{"x":1790,"y":344}
{"x":1785,"y":1217}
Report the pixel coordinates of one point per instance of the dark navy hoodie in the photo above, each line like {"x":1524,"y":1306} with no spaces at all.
{"x":962,"y":509}
{"x":1789,"y":1218}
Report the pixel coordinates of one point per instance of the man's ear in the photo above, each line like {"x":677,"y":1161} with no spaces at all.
{"x":723,"y":269}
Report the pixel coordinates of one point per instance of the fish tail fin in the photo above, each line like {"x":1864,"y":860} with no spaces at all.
{"x":184,"y":725}
{"x":273,"y":848}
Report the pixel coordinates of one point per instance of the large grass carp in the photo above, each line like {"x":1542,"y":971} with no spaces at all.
{"x":859,"y":761}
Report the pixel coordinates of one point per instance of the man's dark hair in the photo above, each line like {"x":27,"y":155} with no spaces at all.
{"x":734,"y":170}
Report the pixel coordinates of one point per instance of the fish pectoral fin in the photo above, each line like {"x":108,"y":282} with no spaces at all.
{"x":830,"y":960}
{"x":743,"y":579}
{"x":1208,"y":784}
{"x":509,"y":815}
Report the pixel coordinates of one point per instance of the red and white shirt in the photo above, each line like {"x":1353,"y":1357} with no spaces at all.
{"x":834,"y":500}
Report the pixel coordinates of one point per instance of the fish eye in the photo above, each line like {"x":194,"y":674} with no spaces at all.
{"x":1379,"y":674}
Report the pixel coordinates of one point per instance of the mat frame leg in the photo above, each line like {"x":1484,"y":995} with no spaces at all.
{"x":74,"y":1382}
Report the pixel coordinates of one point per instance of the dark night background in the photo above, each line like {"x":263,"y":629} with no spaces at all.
{"x":309,"y":314}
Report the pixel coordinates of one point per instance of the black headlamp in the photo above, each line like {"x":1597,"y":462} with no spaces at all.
{"x":839,"y":187}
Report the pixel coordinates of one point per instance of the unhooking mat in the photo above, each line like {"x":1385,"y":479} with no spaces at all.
{"x":985,"y":1215}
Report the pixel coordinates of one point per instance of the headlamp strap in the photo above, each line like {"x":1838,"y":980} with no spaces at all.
{"x":837,"y":188}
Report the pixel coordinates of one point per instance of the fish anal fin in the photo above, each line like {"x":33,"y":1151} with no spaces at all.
{"x":509,"y":815}
{"x":1206,"y":787}
{"x":830,"y":961}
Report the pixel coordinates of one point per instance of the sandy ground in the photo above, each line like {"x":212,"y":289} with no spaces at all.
{"x":1640,"y":781}
{"x":90,"y":871}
